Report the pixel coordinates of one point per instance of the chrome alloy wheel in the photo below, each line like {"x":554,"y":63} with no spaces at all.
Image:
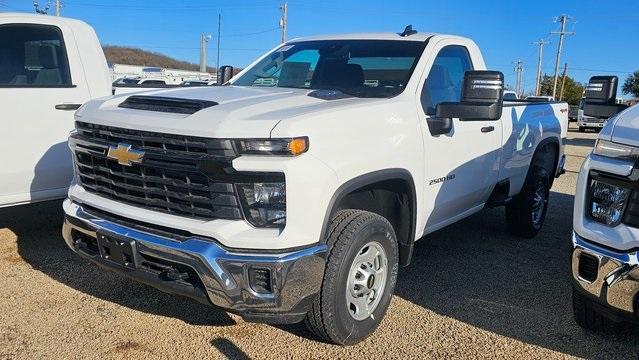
{"x":539,"y":203}
{"x":366,"y":280}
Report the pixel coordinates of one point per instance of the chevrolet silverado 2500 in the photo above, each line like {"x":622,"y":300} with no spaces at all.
{"x":297,"y":190}
{"x":605,"y":264}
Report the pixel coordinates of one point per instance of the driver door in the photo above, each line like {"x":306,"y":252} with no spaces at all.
{"x":461,"y":166}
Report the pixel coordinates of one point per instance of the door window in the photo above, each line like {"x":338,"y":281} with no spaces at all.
{"x":33,"y":56}
{"x":446,"y":77}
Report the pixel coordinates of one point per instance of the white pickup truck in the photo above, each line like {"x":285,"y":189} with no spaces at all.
{"x":49,"y":66}
{"x":605,"y":260}
{"x":299,"y":189}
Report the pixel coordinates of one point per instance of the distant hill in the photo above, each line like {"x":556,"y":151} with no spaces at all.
{"x":134,"y":56}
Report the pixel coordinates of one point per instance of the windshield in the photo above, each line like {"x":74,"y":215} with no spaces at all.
{"x":362,"y":68}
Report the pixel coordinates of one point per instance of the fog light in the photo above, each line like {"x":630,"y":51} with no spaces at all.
{"x":607,"y":202}
{"x":260,"y":280}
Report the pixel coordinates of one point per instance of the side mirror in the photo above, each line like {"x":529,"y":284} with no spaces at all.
{"x":224,"y":74}
{"x":601,"y":97}
{"x":481,"y":98}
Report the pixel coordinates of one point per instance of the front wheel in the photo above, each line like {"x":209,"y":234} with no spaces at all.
{"x":359,"y":280}
{"x":588,"y":316}
{"x":526,"y":213}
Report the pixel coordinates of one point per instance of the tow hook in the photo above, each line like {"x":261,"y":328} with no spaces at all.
{"x":176,"y":275}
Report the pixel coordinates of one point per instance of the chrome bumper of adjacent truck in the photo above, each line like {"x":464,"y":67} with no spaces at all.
{"x":609,"y":277}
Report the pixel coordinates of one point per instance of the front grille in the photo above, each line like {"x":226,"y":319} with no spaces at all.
{"x":588,"y":267}
{"x":180,"y":175}
{"x":631,"y":217}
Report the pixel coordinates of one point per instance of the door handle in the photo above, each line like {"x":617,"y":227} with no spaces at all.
{"x":487,"y":129}
{"x":68,"y":107}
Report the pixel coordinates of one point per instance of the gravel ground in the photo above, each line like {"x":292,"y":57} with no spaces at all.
{"x":471,"y":292}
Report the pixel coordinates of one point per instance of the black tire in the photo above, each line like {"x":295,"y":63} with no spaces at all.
{"x":589,"y":317}
{"x":329,"y":317}
{"x":582,"y":129}
{"x":522,"y":215}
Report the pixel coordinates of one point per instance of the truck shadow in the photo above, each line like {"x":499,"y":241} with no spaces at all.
{"x":39,"y":241}
{"x":477,"y":273}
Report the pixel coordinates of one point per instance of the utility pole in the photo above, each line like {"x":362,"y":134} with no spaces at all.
{"x":284,"y":20}
{"x":563,"y":82}
{"x":219,"y":32}
{"x":541,"y":44}
{"x":58,"y":7}
{"x":563,"y":19}
{"x":204,"y":38}
{"x":519,"y":69}
{"x":40,"y":11}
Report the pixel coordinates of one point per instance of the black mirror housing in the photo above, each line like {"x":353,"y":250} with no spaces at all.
{"x":602,"y":90}
{"x":224,"y":74}
{"x":482,"y":97}
{"x":601,"y":96}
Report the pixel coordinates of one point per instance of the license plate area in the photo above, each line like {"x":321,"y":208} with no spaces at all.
{"x":118,"y":250}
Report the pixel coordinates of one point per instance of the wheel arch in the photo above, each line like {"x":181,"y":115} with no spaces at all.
{"x":390,"y":193}
{"x":549,"y":164}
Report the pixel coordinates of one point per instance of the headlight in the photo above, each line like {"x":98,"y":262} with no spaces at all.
{"x":614,"y":150}
{"x":264,"y":204}
{"x":607,"y":202}
{"x":292,"y":146}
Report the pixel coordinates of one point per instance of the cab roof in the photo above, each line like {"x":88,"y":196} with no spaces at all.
{"x":368,"y":36}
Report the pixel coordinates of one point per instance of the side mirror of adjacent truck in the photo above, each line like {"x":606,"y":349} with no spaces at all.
{"x":224,"y":74}
{"x":481,"y":98}
{"x":601,"y":97}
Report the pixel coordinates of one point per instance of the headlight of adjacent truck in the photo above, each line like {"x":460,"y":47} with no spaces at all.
{"x":617,"y":151}
{"x":607,"y":202}
{"x":264,"y":204}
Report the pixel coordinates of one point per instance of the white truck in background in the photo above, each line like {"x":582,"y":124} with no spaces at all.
{"x":298,"y":190}
{"x":605,"y":256}
{"x":49,"y":67}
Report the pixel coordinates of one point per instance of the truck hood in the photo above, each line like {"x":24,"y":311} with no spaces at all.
{"x":241,"y":111}
{"x":626,"y":127}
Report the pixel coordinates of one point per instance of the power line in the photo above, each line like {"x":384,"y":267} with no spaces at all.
{"x":563,"y":19}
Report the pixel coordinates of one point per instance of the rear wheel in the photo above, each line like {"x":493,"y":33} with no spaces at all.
{"x":526,"y":213}
{"x":359,"y":279}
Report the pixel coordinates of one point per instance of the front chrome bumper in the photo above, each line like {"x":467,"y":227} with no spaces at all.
{"x":615,"y":285}
{"x":222,"y":274}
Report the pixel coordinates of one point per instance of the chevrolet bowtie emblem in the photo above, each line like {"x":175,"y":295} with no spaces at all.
{"x":125,"y":155}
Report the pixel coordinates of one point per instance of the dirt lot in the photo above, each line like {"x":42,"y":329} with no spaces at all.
{"x":472,"y":291}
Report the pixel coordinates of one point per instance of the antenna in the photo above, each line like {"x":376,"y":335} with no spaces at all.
{"x":408,"y":31}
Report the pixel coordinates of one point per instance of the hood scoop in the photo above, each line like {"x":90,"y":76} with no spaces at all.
{"x":166,"y":104}
{"x":328,"y":94}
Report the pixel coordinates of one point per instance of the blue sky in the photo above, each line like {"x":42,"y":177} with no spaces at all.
{"x":605,"y":41}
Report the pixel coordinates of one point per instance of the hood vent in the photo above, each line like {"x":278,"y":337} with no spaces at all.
{"x":166,"y":104}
